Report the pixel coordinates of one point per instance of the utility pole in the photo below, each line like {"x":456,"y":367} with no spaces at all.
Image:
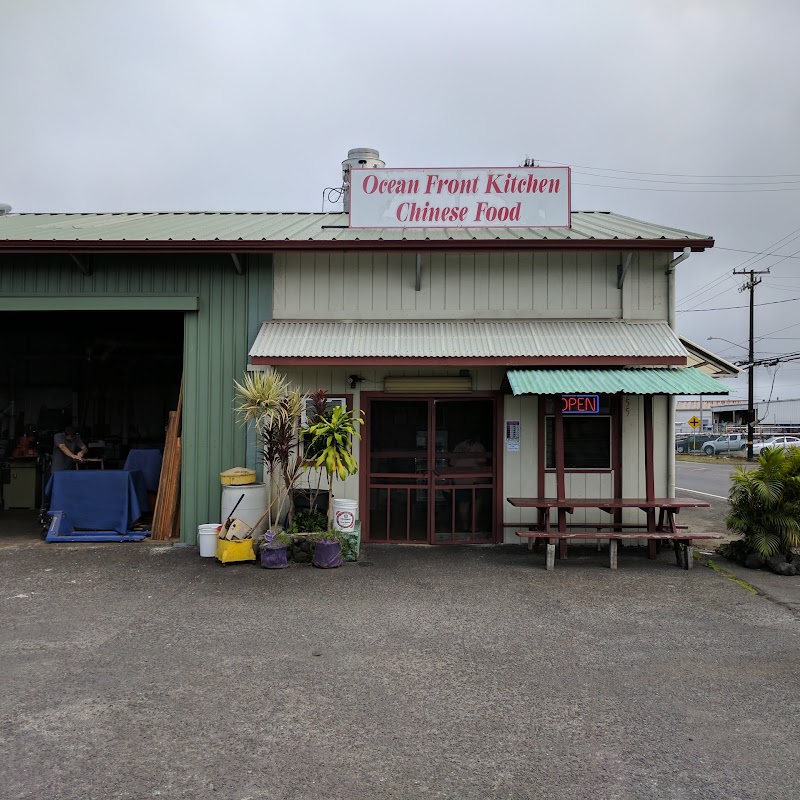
{"x":751,"y":413}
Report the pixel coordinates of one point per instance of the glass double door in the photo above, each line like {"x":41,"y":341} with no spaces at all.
{"x":431,"y":472}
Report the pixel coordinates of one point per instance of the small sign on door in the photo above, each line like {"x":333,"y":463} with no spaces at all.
{"x":512,"y":435}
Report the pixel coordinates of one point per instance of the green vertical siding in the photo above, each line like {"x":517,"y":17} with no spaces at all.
{"x":259,"y":297}
{"x":217,"y":338}
{"x":215,"y":349}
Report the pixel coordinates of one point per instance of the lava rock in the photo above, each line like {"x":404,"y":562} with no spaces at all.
{"x":781,"y":567}
{"x":754,"y":561}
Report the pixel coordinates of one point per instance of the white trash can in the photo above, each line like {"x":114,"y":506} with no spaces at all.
{"x":207,"y":539}
{"x":252,"y":507}
{"x":345,"y":513}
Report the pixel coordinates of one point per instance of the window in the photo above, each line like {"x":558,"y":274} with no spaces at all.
{"x":309,"y":411}
{"x":587,"y":437}
{"x":309,"y":415}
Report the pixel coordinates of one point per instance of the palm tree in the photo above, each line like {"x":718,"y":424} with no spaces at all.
{"x":765,"y":503}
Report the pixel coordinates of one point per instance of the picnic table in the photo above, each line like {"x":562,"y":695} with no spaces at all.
{"x":655,"y":528}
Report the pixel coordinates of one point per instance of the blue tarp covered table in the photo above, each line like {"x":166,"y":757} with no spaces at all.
{"x":100,"y":500}
{"x":149,"y":462}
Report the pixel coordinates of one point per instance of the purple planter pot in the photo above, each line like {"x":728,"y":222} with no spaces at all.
{"x":328,"y":554}
{"x":273,"y":556}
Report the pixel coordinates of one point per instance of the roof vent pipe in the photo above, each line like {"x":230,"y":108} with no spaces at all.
{"x":358,"y":158}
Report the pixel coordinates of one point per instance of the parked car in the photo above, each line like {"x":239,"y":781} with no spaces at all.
{"x":728,"y":443}
{"x":776,"y":442}
{"x":694,"y":441}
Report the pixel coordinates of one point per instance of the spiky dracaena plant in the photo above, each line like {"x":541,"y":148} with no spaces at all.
{"x":765,"y":503}
{"x":317,"y":409}
{"x":332,"y":443}
{"x":275,"y":408}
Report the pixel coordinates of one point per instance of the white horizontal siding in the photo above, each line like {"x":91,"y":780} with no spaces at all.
{"x":465,"y":285}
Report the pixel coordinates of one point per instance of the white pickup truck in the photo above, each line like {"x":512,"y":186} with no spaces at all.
{"x":729,"y":443}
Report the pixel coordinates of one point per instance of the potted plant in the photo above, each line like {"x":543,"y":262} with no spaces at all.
{"x":273,"y":551}
{"x":303,"y":533}
{"x":313,"y":496}
{"x":328,"y":550}
{"x":332,"y":444}
{"x":267,"y":400}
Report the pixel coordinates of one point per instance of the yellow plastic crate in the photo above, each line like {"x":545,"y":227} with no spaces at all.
{"x":238,"y":476}
{"x":232,"y":550}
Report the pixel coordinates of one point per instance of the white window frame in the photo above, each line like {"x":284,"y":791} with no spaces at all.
{"x":330,"y":402}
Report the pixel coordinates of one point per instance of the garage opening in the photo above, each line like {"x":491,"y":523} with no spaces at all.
{"x":113,"y":376}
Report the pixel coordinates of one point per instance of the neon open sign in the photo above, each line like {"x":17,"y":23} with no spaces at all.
{"x":580,"y":404}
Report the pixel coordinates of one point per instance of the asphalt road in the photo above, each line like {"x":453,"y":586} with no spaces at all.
{"x":697,"y":479}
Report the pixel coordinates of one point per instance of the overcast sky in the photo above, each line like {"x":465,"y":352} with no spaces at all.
{"x":252,"y":105}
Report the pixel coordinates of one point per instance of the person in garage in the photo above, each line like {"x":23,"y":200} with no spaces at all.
{"x":68,"y":450}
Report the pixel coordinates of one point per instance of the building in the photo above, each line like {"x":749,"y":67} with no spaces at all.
{"x":490,"y":360}
{"x":688,"y":409}
{"x":771,"y":416}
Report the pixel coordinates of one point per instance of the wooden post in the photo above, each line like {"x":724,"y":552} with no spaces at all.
{"x":649,"y":471}
{"x":561,"y":492}
{"x":558,"y":446}
{"x":648,"y":447}
{"x":612,"y":553}
{"x":551,"y":555}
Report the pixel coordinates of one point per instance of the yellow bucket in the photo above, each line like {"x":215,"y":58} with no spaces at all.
{"x":235,"y":550}
{"x":238,"y":476}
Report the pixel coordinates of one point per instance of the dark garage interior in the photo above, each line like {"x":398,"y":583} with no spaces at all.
{"x":113,"y":376}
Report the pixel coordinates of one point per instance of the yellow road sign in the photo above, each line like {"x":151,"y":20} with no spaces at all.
{"x":695,"y":423}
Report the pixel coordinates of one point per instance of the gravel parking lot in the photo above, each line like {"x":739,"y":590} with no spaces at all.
{"x":139,"y":670}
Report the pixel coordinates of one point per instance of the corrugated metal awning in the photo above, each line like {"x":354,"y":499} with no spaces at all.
{"x":464,"y":342}
{"x":613,"y":381}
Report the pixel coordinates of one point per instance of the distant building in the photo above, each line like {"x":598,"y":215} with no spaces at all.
{"x":687,"y":409}
{"x":773,"y":416}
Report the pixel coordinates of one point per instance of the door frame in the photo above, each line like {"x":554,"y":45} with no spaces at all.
{"x":367,"y":398}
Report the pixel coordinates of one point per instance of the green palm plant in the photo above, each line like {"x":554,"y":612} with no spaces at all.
{"x":268,"y":400}
{"x":765,"y":503}
{"x":332,"y":444}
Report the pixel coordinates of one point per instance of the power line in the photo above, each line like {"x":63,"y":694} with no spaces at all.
{"x":730,"y":308}
{"x":782,"y":242}
{"x":685,"y":191}
{"x":754,"y":252}
{"x":719,"y":293}
{"x":666,"y":174}
{"x":685,"y":183}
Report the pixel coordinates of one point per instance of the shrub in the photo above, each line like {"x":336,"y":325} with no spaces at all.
{"x":765,"y":503}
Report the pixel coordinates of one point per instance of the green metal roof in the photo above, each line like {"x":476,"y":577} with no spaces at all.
{"x":277,"y":230}
{"x":613,"y":381}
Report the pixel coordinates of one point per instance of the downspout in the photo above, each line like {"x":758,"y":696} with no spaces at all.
{"x":671,"y":398}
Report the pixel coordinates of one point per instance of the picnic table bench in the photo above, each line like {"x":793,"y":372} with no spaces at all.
{"x":654,"y":530}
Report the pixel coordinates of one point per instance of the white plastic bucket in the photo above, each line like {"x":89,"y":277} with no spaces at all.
{"x":345,"y":513}
{"x":252,"y":507}
{"x":207,"y":539}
